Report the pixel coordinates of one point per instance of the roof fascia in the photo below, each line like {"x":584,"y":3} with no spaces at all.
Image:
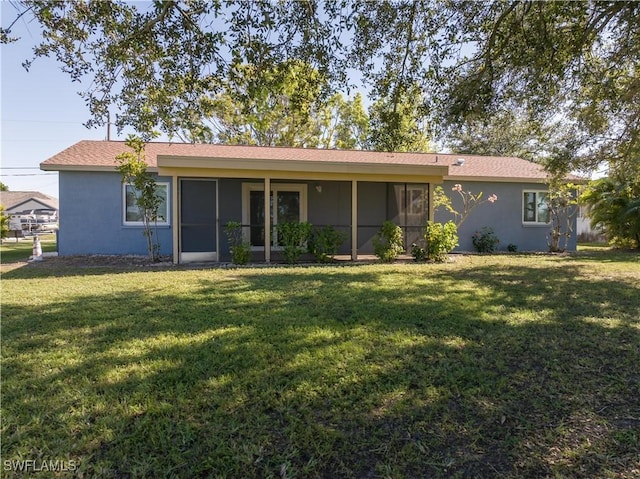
{"x":300,"y":166}
{"x":35,"y":199}
{"x":496,"y":179}
{"x":95,"y":168}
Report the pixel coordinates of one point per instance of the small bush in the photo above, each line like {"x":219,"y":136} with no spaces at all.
{"x":4,"y":223}
{"x":387,"y":244}
{"x":418,"y":252}
{"x":240,"y":249}
{"x":485,"y":240}
{"x":441,"y":240}
{"x":512,"y":248}
{"x":293,"y":237}
{"x":325,"y":243}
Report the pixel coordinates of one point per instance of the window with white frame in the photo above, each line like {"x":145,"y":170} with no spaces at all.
{"x":132,"y":216}
{"x":535,"y":207}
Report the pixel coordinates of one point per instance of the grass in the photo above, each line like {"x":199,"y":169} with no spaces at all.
{"x":12,"y":251}
{"x":502,"y":366}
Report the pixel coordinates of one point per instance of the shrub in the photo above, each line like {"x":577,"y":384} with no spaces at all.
{"x":441,"y":239}
{"x":512,"y":248}
{"x":240,"y":249}
{"x":387,"y":244}
{"x":418,"y":252}
{"x":132,"y":167}
{"x":325,"y":243}
{"x":485,"y":240}
{"x":293,"y":238}
{"x":4,"y":223}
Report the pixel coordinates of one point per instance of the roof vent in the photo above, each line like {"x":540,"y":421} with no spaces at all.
{"x":460,"y":161}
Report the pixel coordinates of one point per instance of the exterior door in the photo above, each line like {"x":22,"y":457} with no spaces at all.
{"x":287,"y":204}
{"x":198,"y":220}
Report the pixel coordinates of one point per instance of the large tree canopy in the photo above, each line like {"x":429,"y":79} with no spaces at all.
{"x":395,"y":123}
{"x":577,"y":62}
{"x":510,"y":133}
{"x":281,"y":106}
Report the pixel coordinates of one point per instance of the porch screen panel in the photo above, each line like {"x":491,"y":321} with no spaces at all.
{"x":288,"y":206}
{"x":408,"y":207}
{"x":285,"y":206}
{"x":198,"y":211}
{"x":256,"y":217}
{"x":415,"y":209}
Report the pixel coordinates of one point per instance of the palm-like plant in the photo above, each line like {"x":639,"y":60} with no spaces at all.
{"x":614,"y":207}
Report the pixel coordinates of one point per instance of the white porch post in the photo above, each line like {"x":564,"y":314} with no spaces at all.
{"x":354,"y":220}
{"x":267,"y":219}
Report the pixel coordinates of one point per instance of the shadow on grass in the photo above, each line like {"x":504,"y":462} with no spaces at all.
{"x":611,"y":255}
{"x":336,"y":372}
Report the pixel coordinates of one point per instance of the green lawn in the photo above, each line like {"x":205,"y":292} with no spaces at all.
{"x":503,"y":366}
{"x":12,"y":251}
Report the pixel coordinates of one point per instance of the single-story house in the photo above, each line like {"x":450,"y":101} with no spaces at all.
{"x":30,"y":211}
{"x":17,"y":202}
{"x":205,"y":186}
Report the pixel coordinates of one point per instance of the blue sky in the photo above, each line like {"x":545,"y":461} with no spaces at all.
{"x":41,"y":112}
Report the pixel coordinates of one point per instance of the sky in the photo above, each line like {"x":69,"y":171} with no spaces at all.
{"x":41,"y":112}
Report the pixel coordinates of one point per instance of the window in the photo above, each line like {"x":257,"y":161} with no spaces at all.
{"x":288,"y":204}
{"x":132,"y":216}
{"x":414,"y":200}
{"x":535,"y":207}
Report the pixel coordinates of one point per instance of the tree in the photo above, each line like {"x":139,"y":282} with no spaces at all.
{"x":563,"y":208}
{"x":133,"y":168}
{"x":395,"y":123}
{"x":508,"y":133}
{"x":269,"y":107}
{"x":469,"y":202}
{"x":153,"y":63}
{"x":3,"y":187}
{"x":574,"y":61}
{"x":4,"y":222}
{"x":283,"y":106}
{"x":614,"y":207}
{"x":344,"y":123}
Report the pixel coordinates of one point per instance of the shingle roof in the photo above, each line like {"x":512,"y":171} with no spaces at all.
{"x":11,"y":199}
{"x":101,"y":155}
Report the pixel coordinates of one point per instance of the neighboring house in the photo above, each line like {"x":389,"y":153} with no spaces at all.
{"x":30,"y":210}
{"x":16,"y":202}
{"x":584,"y":231}
{"x":205,"y":186}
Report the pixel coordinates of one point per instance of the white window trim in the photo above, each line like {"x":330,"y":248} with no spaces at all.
{"x":140,"y":223}
{"x":247,"y":188}
{"x":536,"y":222}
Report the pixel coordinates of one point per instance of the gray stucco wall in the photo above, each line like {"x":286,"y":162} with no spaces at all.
{"x":91,"y":214}
{"x":504,"y":216}
{"x":91,"y":217}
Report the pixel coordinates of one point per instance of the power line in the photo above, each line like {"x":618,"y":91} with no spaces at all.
{"x":29,"y":174}
{"x":43,"y":121}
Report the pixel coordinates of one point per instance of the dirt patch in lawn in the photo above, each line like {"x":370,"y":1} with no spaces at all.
{"x":90,"y":262}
